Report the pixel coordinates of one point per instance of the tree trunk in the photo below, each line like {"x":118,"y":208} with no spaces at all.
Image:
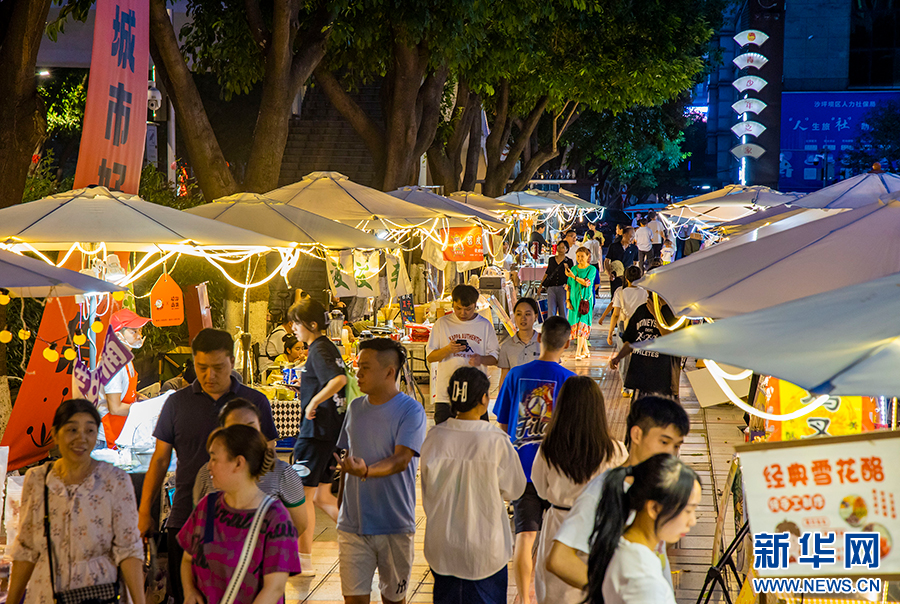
{"x":213,"y":175}
{"x":411,"y":109}
{"x":23,"y":124}
{"x":499,"y":171}
{"x":531,"y":166}
{"x":473,"y":152}
{"x":445,"y":158}
{"x":285,"y":74}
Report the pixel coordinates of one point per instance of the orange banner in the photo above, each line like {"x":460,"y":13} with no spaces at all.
{"x":464,"y":244}
{"x":115,"y":115}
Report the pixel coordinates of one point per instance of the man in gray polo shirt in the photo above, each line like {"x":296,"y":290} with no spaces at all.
{"x":524,"y":346}
{"x":187,"y":419}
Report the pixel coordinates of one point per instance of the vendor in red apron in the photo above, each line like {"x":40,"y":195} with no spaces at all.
{"x":121,"y":391}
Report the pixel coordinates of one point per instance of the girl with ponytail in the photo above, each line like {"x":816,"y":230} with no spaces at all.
{"x":214,"y":535}
{"x":322,"y":400}
{"x":468,"y":468}
{"x":659,"y":506}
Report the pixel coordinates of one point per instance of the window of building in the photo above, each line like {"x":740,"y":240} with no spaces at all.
{"x":874,"y":43}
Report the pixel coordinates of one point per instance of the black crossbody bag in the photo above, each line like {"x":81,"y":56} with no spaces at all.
{"x":106,"y":593}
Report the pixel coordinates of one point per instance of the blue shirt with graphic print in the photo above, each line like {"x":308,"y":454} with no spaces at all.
{"x":525,"y":404}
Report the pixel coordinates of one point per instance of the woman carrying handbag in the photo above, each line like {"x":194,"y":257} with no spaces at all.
{"x":554,"y":280}
{"x":78,"y":529}
{"x":240,"y":545}
{"x":581,"y":300}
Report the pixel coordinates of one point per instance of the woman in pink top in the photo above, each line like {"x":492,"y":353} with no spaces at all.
{"x":214,"y":535}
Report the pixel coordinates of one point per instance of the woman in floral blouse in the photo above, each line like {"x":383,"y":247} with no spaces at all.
{"x":93,"y":518}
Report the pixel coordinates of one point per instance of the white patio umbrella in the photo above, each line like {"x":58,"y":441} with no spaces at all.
{"x":755,"y":195}
{"x":485,"y":202}
{"x":30,"y":278}
{"x":842,"y":342}
{"x":854,"y":192}
{"x":260,"y":214}
{"x":533,"y":198}
{"x":772,"y":215}
{"x":851,"y":247}
{"x":123,"y":222}
{"x":333,"y":195}
{"x":427,"y":199}
{"x":708,"y":215}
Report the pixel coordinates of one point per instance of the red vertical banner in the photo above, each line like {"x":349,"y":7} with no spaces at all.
{"x":115,"y":116}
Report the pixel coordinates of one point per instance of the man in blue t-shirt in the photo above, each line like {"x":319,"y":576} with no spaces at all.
{"x":523,"y":409}
{"x":382,"y":434}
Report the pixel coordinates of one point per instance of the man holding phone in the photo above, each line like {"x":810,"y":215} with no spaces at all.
{"x":458,"y":339}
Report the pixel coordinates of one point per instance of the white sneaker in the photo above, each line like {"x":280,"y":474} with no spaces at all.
{"x":306,"y":566}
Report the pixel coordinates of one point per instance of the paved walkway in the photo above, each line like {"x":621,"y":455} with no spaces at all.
{"x":708,"y":449}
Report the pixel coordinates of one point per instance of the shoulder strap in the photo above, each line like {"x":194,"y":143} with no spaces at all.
{"x":209,"y":532}
{"x":249,"y":545}
{"x":47,"y":530}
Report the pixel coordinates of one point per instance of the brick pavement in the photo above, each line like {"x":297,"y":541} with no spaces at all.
{"x":708,"y":449}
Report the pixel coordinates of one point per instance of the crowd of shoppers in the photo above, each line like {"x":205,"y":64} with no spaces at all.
{"x":591,"y":515}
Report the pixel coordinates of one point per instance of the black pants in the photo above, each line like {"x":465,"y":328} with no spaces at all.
{"x":176,"y":553}
{"x":657,"y":250}
{"x":443,"y":412}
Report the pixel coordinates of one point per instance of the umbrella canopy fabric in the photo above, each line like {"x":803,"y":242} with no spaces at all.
{"x":260,"y":214}
{"x":851,"y":247}
{"x":840,"y":342}
{"x":439,"y":203}
{"x":533,"y":198}
{"x":333,"y":195}
{"x":123,"y":222}
{"x":30,"y":278}
{"x":755,"y":195}
{"x":483,"y":201}
{"x":709,"y":213}
{"x":772,"y":216}
{"x":854,"y":192}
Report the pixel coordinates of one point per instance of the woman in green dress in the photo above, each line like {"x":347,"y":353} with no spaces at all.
{"x":580,"y":297}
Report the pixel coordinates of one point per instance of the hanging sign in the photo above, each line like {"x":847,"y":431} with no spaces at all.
{"x":749,"y":106}
{"x":751,"y":36}
{"x":115,"y":116}
{"x":745,"y":83}
{"x":464,"y":244}
{"x":339,"y":266}
{"x":366,"y":269}
{"x":750,"y":59}
{"x":748,"y":128}
{"x":824,"y":507}
{"x":748,"y":150}
{"x":398,"y":280}
{"x":166,"y":302}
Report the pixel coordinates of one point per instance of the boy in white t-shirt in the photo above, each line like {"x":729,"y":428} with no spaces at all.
{"x":655,"y":425}
{"x":457,"y":340}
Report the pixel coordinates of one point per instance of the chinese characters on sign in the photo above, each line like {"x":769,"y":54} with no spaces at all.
{"x":824,"y":506}
{"x":116,"y":356}
{"x":817,"y":129}
{"x":112,"y":148}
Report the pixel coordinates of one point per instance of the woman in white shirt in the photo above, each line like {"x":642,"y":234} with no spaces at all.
{"x":623,"y":567}
{"x":468,"y":468}
{"x":576,"y":448}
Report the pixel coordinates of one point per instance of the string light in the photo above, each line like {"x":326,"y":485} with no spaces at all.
{"x":50,"y":353}
{"x":661,"y":319}
{"x":5,"y":336}
{"x":79,"y":338}
{"x":24,"y":334}
{"x":4,"y":297}
{"x":714,"y":368}
{"x":97,"y":326}
{"x":803,"y":411}
{"x":69,"y":354}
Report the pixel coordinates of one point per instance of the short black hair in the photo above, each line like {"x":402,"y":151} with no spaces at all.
{"x":213,"y":340}
{"x":465,"y":295}
{"x":555,"y":333}
{"x":289,"y":340}
{"x":530,"y":302}
{"x":539,"y":226}
{"x":72,"y":407}
{"x":633,"y":273}
{"x":571,"y":231}
{"x":467,"y":388}
{"x":382,"y":345}
{"x":563,"y":242}
{"x":656,"y":412}
{"x":308,"y":312}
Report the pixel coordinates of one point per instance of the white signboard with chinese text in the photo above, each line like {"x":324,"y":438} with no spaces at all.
{"x":824,"y":507}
